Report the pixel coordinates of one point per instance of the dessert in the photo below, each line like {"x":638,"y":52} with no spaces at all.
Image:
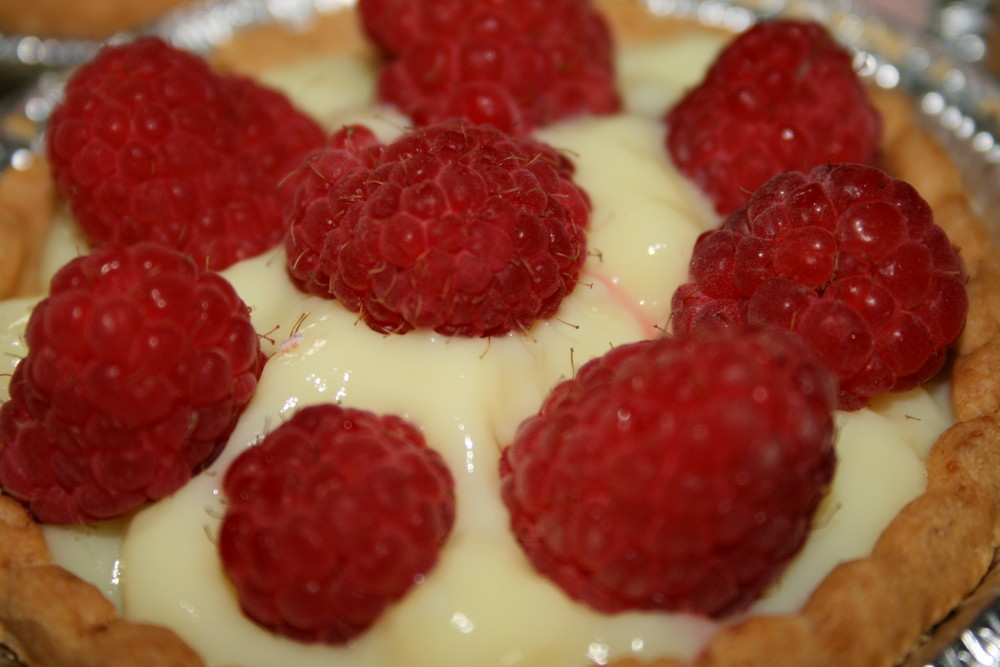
{"x":817,"y":630}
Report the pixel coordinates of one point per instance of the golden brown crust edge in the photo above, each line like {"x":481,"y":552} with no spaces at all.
{"x":870,"y":611}
{"x":27,"y":203}
{"x":84,"y":629}
{"x":79,"y":19}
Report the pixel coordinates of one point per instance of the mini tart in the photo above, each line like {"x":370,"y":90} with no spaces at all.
{"x":873,"y":611}
{"x":80,"y":19}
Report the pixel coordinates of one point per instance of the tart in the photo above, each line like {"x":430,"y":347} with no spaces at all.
{"x":869,"y":611}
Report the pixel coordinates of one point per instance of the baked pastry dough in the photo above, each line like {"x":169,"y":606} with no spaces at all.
{"x":80,"y":19}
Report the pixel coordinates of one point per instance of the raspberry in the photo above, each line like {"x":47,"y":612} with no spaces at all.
{"x":518,"y":64}
{"x":782,"y":96}
{"x":676,"y":474}
{"x":458,"y":228}
{"x":138,"y":365}
{"x":331,"y":519}
{"x":848,"y":258}
{"x":149,"y":144}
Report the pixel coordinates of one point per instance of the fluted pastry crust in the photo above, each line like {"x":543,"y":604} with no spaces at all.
{"x":79,"y":19}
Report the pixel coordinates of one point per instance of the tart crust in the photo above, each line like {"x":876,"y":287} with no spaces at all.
{"x":79,"y":19}
{"x":872,"y":611}
{"x":27,"y":203}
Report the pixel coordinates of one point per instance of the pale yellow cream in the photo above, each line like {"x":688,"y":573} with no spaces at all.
{"x":482,"y":605}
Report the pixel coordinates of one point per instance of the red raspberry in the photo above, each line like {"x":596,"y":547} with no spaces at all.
{"x":782,"y":96}
{"x":848,"y":258}
{"x":149,"y":144}
{"x":515,"y":64}
{"x":678,"y":474}
{"x":331,"y":519}
{"x":138,"y":365}
{"x":458,"y":228}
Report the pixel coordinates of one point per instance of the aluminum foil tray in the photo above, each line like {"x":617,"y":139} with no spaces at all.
{"x":958,"y":100}
{"x":28,"y":51}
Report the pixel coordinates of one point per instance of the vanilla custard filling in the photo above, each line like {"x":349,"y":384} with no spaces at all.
{"x":482,"y":605}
